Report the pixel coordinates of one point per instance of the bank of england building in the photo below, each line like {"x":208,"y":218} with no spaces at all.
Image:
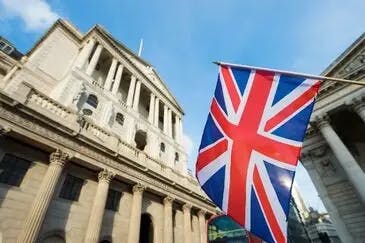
{"x":91,"y":146}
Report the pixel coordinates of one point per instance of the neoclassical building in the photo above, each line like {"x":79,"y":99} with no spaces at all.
{"x":91,"y":146}
{"x":334,"y":149}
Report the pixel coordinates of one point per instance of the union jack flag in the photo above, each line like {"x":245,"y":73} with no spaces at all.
{"x":251,"y":144}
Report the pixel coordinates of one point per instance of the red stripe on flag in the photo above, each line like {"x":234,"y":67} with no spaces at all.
{"x":273,"y":224}
{"x":211,"y":154}
{"x":231,"y":87}
{"x":292,"y":107}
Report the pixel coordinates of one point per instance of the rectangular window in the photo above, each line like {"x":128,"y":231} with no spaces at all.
{"x":112,"y":202}
{"x":71,"y":188}
{"x":13,"y":169}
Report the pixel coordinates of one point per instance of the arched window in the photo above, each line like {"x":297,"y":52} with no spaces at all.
{"x":120,"y":118}
{"x":92,"y":100}
{"x":176,"y":157}
{"x":162,"y":147}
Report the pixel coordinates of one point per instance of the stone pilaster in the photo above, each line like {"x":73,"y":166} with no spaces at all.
{"x":168,"y":229}
{"x":202,"y":226}
{"x":135,"y":218}
{"x":151,"y":112}
{"x":38,"y":210}
{"x":131,"y":91}
{"x":94,"y":60}
{"x":84,"y":53}
{"x":118,"y":78}
{"x":97,"y":211}
{"x":111,"y":73}
{"x":187,"y":223}
{"x":136,"y":95}
{"x":354,"y":173}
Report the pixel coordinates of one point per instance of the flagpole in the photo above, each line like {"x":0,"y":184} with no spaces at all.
{"x":341,"y":80}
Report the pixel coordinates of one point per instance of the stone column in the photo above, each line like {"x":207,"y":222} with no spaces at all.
{"x":202,"y":227}
{"x":97,"y":211}
{"x":131,"y":91}
{"x":151,"y":112}
{"x":168,"y":225}
{"x":135,"y":218}
{"x":118,"y":78}
{"x":157,"y":111}
{"x":84,"y":53}
{"x":181,"y":131}
{"x":38,"y":210}
{"x":187,"y":223}
{"x":340,"y":226}
{"x":165,"y":120}
{"x":177,"y":128}
{"x":136,"y":95}
{"x":359,"y":107}
{"x":109,"y":78}
{"x":169,"y":122}
{"x":94,"y":60}
{"x":354,"y":173}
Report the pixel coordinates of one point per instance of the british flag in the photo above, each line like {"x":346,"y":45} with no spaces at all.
{"x":251,"y":144}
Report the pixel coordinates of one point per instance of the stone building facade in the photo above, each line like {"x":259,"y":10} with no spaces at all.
{"x":91,"y":147}
{"x":334,"y":149}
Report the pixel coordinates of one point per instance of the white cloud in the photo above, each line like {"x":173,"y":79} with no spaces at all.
{"x":37,"y":15}
{"x":188,"y":144}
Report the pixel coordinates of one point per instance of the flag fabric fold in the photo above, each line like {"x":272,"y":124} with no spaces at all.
{"x":251,"y":144}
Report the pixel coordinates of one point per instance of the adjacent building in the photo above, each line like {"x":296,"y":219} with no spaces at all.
{"x":91,"y":146}
{"x":334,"y":149}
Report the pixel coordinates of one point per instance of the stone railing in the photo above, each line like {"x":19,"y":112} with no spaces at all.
{"x":38,"y":99}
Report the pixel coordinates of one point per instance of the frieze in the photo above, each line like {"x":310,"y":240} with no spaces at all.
{"x":18,"y":120}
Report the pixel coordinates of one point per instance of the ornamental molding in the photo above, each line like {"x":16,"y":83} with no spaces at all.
{"x":123,"y":170}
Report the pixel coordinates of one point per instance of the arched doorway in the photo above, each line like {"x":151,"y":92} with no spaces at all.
{"x":146,"y":229}
{"x":141,"y":139}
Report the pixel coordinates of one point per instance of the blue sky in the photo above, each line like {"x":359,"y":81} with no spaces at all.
{"x":182,"y":38}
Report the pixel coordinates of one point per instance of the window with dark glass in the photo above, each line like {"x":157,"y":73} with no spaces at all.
{"x":92,"y":100}
{"x":176,"y":157}
{"x":13,"y":169}
{"x":162,"y":147}
{"x":112,"y":202}
{"x":120,"y":119}
{"x":71,"y":188}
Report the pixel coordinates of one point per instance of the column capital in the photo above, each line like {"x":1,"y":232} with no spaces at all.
{"x":138,"y":188}
{"x":202,"y":213}
{"x":58,"y":157}
{"x":186,"y":207}
{"x":4,"y":131}
{"x":106,"y":175}
{"x":322,"y":120}
{"x":358,"y":104}
{"x":168,"y":200}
